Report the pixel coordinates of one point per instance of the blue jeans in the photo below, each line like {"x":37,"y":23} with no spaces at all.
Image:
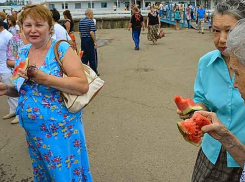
{"x":136,"y":37}
{"x":90,"y":53}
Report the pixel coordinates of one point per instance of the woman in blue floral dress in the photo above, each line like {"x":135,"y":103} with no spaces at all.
{"x":55,"y":137}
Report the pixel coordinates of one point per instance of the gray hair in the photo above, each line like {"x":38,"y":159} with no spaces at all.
{"x":236,"y":41}
{"x":235,"y":8}
{"x":88,"y":11}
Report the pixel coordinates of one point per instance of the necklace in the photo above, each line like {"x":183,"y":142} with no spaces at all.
{"x":44,"y":47}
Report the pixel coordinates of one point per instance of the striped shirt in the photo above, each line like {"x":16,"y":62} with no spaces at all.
{"x":86,"y":25}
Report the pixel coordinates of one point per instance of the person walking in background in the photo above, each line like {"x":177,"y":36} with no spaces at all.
{"x":13,"y":27}
{"x":192,"y":11}
{"x":153,"y":24}
{"x":96,"y":50}
{"x":3,"y":17}
{"x":156,"y":7}
{"x":177,"y":17}
{"x":87,"y":30}
{"x":161,"y":9}
{"x":181,"y":9}
{"x":136,"y":22}
{"x":209,"y":22}
{"x":196,"y":18}
{"x":69,"y":26}
{"x":201,"y":15}
{"x":188,"y":16}
{"x":60,"y":32}
{"x":5,"y":72}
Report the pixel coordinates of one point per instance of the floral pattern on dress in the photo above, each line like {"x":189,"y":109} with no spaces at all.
{"x":55,"y":137}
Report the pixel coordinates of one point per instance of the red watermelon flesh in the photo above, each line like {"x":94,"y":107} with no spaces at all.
{"x":22,"y":65}
{"x":191,"y":128}
{"x":81,"y":54}
{"x":186,"y":105}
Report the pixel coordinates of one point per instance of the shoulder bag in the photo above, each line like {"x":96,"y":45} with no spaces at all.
{"x":75,"y":103}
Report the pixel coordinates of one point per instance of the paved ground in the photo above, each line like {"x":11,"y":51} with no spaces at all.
{"x":130,"y":127}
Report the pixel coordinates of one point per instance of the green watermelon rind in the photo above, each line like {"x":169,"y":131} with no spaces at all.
{"x":191,"y":109}
{"x":184,"y":133}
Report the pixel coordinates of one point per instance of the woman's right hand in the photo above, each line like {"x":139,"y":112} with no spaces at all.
{"x":3,"y":89}
{"x":187,"y":116}
{"x":217,"y":129}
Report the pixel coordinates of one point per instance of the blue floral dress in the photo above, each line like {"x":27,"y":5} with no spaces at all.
{"x":55,"y":137}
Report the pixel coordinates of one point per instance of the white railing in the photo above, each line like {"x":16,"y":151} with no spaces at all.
{"x":104,"y":13}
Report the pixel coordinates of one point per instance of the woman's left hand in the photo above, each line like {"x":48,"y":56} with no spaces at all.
{"x":22,"y":73}
{"x":32,"y":73}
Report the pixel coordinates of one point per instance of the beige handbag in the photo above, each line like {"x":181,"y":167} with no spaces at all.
{"x":76,"y":103}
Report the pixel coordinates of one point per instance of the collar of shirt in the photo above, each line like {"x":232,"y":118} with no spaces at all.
{"x":216,"y":55}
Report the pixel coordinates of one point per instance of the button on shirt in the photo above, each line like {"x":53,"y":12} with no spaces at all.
{"x":86,"y":25}
{"x":214,"y":88}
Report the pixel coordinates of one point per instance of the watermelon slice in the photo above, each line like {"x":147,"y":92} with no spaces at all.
{"x":80,"y":54}
{"x":191,"y":128}
{"x":186,"y":105}
{"x":22,"y":65}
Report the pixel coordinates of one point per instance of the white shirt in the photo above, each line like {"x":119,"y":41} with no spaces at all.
{"x":13,"y":30}
{"x":94,"y":21}
{"x":161,"y":6}
{"x":60,"y":33}
{"x":5,"y":36}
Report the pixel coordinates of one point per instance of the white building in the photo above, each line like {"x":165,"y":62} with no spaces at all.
{"x":108,"y":5}
{"x":73,"y":5}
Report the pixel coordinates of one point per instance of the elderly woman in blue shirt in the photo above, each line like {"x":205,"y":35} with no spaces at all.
{"x":236,"y":46}
{"x":214,"y":91}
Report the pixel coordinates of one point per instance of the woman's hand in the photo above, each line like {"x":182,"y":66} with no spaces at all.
{"x":22,"y":73}
{"x":217,"y":130}
{"x":33,"y":73}
{"x":3,"y":89}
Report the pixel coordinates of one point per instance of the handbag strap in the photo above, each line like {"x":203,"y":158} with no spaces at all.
{"x":56,"y":47}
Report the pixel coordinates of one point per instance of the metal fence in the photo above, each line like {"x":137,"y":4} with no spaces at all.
{"x":167,"y":17}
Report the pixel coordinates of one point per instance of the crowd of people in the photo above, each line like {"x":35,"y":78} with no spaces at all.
{"x":55,"y":136}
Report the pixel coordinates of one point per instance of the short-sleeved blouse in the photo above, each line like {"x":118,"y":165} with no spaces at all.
{"x":40,"y":104}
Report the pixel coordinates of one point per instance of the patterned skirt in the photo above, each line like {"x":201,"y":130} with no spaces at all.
{"x":153,"y":33}
{"x":205,"y":171}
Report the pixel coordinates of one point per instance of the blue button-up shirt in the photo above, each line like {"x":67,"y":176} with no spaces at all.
{"x":214,"y":88}
{"x":86,"y":25}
